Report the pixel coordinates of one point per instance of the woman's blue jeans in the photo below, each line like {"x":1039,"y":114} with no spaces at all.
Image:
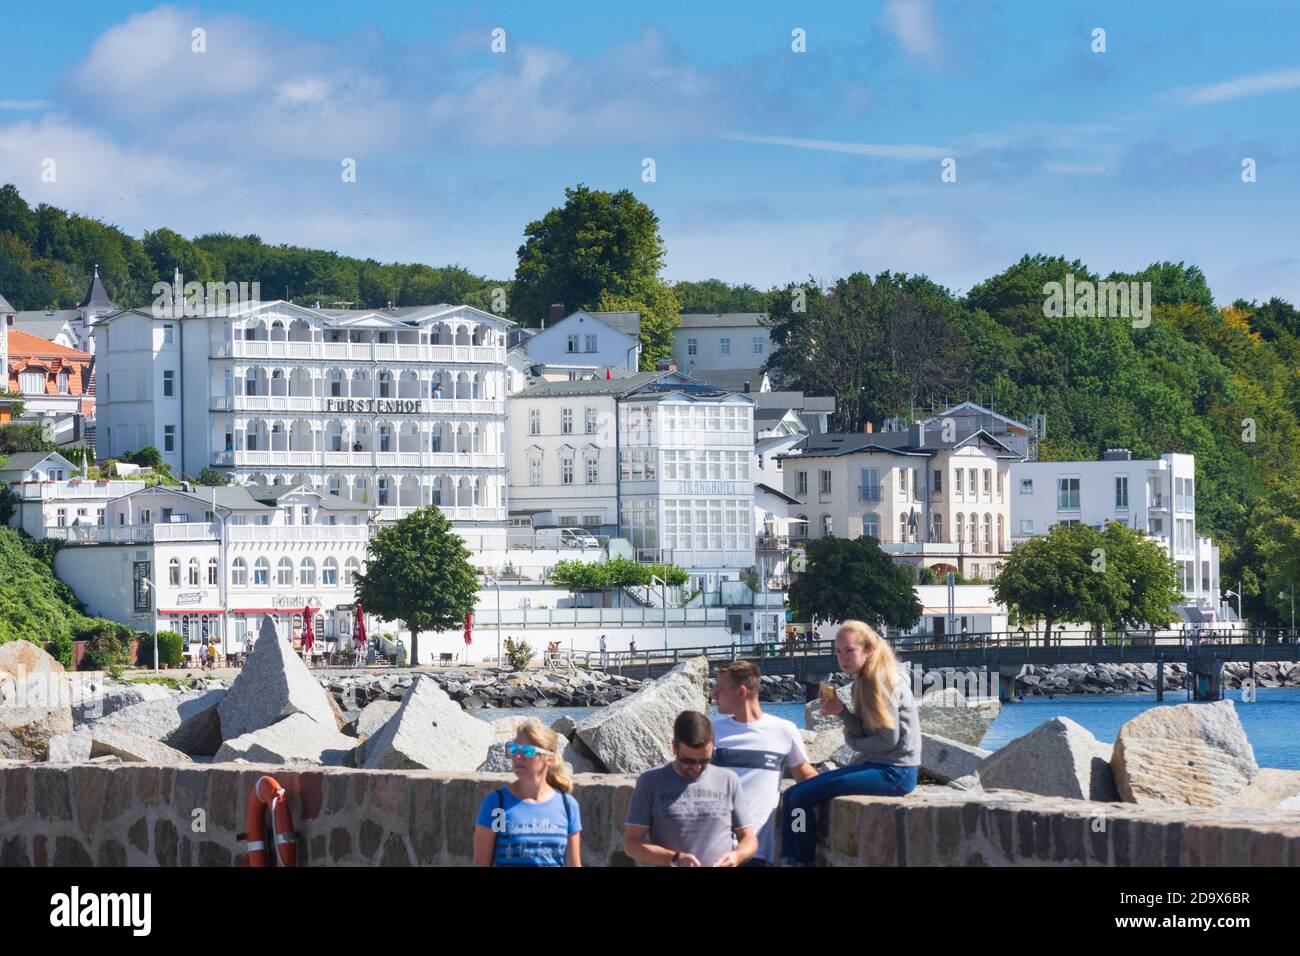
{"x":798,"y":805}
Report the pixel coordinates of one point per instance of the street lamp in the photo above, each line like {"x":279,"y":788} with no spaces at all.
{"x":149,"y":586}
{"x":1237,"y":595}
{"x":489,"y":579}
{"x":663,"y":596}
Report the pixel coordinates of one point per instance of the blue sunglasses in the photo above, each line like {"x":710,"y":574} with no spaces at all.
{"x":528,"y":750}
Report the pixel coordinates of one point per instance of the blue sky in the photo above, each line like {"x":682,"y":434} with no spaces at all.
{"x":771,"y":165}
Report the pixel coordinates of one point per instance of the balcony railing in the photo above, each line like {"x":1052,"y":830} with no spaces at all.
{"x":137,"y":533}
{"x":357,"y":351}
{"x":47,"y":490}
{"x":331,"y":406}
{"x":308,"y":532}
{"x":358,"y":459}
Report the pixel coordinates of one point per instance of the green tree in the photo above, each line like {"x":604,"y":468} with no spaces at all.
{"x":213,"y":478}
{"x":19,"y":438}
{"x":1053,"y":578}
{"x":418,"y":572}
{"x":578,"y":575}
{"x":1147,"y":581}
{"x":1275,"y":538}
{"x":849,"y":578}
{"x":599,"y":250}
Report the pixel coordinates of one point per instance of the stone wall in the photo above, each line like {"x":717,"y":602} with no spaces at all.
{"x":142,"y":815}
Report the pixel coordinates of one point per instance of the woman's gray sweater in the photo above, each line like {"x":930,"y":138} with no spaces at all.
{"x":899,"y":746}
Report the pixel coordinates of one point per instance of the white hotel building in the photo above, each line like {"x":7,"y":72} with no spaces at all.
{"x":656,"y":457}
{"x":1156,"y":496}
{"x":396,"y":409}
{"x":217,"y":559}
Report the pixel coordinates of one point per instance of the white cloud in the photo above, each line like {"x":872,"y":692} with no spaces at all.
{"x":26,"y":104}
{"x":1274,"y":81}
{"x":912,"y":23}
{"x":1076,"y":169}
{"x":881,"y":150}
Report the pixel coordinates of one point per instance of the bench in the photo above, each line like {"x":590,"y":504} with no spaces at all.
{"x":446,"y":658}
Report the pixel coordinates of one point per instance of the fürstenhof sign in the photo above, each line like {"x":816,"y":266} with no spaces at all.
{"x":401,"y":406}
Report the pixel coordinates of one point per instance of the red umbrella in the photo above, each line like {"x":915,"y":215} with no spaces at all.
{"x":469,"y":627}
{"x":360,"y":636}
{"x":608,"y":375}
{"x":308,"y":639}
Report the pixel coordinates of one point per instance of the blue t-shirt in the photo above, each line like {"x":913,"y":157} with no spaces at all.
{"x":529,"y":834}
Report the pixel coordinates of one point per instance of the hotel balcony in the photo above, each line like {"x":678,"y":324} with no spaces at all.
{"x":357,"y":352}
{"x":356,"y":459}
{"x":137,"y":533}
{"x":53,"y":490}
{"x":334,"y":406}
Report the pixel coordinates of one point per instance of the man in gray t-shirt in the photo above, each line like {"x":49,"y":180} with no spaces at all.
{"x":685,"y":812}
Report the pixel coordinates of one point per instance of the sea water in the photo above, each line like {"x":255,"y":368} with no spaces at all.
{"x":1272,"y":721}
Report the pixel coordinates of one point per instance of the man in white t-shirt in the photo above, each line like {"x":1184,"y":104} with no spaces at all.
{"x":758,"y":747}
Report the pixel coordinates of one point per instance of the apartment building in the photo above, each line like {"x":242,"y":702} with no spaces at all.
{"x":721,"y":341}
{"x":930,"y":496}
{"x":1155,"y":496}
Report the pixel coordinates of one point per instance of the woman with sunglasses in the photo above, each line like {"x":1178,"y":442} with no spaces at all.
{"x":534,"y":821}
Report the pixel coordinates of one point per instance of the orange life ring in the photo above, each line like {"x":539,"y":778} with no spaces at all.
{"x":267,"y":792}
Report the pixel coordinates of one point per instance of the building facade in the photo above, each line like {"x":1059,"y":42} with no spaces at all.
{"x":208,"y":563}
{"x":398,"y":409}
{"x":56,"y":386}
{"x":929,"y":499}
{"x":721,"y":341}
{"x":1157,"y":497}
{"x":659,"y":458}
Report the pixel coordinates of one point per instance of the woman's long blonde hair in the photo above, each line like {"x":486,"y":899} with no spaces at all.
{"x":539,"y":735}
{"x":874,"y":685}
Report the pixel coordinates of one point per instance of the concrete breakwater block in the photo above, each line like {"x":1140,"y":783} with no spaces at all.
{"x":1185,"y":755}
{"x":429,"y":731}
{"x":1058,"y":758}
{"x":295,"y":740}
{"x":635,"y":734}
{"x":273,"y":684}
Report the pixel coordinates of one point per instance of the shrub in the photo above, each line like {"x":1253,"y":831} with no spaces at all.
{"x":518,"y":654}
{"x":108,"y":645}
{"x":171,"y":648}
{"x":213,"y":478}
{"x":146,"y":457}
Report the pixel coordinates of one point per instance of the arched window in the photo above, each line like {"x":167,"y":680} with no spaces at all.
{"x":284,"y":573}
{"x":351,"y":568}
{"x":871,"y":525}
{"x":192,"y":575}
{"x":174,"y":572}
{"x":902,"y":528}
{"x":307,"y":573}
{"x":261,"y":573}
{"x":961,"y":527}
{"x":974,"y":531}
{"x":238,"y":573}
{"x":988,"y":532}
{"x":826,"y":526}
{"x":385,"y":380}
{"x":330,"y":572}
{"x":1002,"y":533}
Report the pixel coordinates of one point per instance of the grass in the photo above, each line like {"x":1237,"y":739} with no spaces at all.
{"x":175,"y":683}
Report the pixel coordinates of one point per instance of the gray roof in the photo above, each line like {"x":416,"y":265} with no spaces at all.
{"x":714,"y":320}
{"x":22,"y":460}
{"x":629,"y":323}
{"x":45,"y":324}
{"x":97,"y":295}
{"x":900,"y":443}
{"x":328,"y":500}
{"x":771,"y":414}
{"x":257,"y":498}
{"x":732,"y":379}
{"x":598,"y":386}
{"x":5,"y":307}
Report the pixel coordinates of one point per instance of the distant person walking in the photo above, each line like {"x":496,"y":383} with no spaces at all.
{"x":882,"y":726}
{"x":602,"y":650}
{"x":533,"y":821}
{"x":686,"y":812}
{"x":759,"y":748}
{"x":631,"y":647}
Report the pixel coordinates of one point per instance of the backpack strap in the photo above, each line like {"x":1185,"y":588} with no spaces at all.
{"x":568,"y":822}
{"x":501,"y":805}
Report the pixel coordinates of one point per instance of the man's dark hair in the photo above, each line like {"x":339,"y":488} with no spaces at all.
{"x":743,"y":674}
{"x":692,"y":729}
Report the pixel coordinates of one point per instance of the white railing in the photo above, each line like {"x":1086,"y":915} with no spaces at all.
{"x":136,"y":534}
{"x":316,"y":405}
{"x":42,"y":490}
{"x":265,"y":403}
{"x":310,"y":532}
{"x":357,"y":351}
{"x":647,"y":617}
{"x":266,"y":458}
{"x":452,"y":512}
